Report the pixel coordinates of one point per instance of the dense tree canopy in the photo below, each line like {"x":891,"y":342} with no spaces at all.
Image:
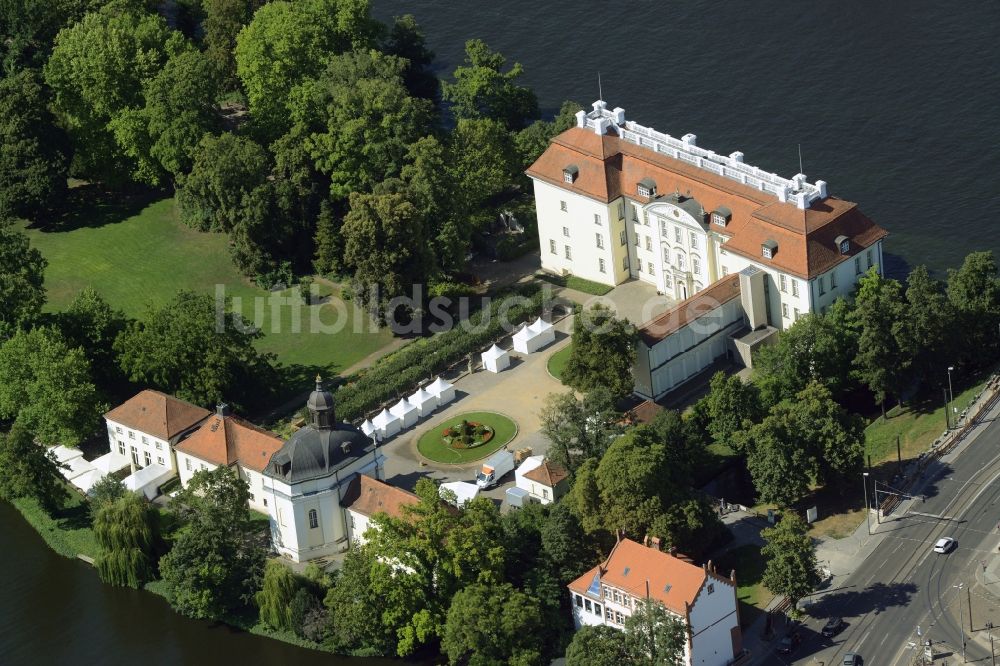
{"x":879,"y":315}
{"x":288,"y":42}
{"x":406,"y":39}
{"x":223,"y":21}
{"x":34,"y":152}
{"x":28,"y":470}
{"x":483,"y":163}
{"x":97,"y":72}
{"x":217,"y":560}
{"x":386,"y":246}
{"x":357,"y":120}
{"x":28,"y":28}
{"x":974,"y":291}
{"x":195,"y":350}
{"x":128,"y":533}
{"x":652,"y":636}
{"x":92,"y":324}
{"x":225,"y":171}
{"x":733,"y":406}
{"x":46,"y":386}
{"x":603,"y":352}
{"x":534,"y":139}
{"x":806,"y":439}
{"x":274,"y":600}
{"x":579,"y":429}
{"x":929,"y":330}
{"x":432,"y":189}
{"x":597,"y":645}
{"x":482,"y":90}
{"x":790,"y":554}
{"x":22,"y":273}
{"x":493,"y":626}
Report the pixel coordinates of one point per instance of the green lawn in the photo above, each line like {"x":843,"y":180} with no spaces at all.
{"x":69,"y":531}
{"x":916,"y":425}
{"x":577,"y":283}
{"x":749,"y":566}
{"x":431,"y":445}
{"x":557,"y":362}
{"x":139,"y":254}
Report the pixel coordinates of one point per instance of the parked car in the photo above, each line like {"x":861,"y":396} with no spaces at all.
{"x":833,"y":626}
{"x":945,"y":545}
{"x":852,"y":659}
{"x":789,"y":643}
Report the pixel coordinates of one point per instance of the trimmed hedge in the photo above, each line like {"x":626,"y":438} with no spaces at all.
{"x":402,"y":371}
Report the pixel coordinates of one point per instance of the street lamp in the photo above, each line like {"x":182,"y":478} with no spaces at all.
{"x":951,"y":394}
{"x":868,"y":511}
{"x":961,"y":613}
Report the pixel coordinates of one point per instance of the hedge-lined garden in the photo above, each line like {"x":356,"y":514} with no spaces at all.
{"x":400,"y":373}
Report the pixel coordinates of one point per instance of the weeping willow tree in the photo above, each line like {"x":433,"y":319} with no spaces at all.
{"x":127,"y":533}
{"x":275,"y":597}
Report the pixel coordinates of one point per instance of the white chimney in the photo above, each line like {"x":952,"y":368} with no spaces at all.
{"x":581,"y":118}
{"x":736,"y":156}
{"x":619,"y":115}
{"x":821,"y":186}
{"x":690,"y":139}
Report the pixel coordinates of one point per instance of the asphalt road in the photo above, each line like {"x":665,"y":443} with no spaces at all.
{"x":903,"y":584}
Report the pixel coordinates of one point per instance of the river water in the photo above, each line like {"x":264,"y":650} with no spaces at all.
{"x":894,"y":104}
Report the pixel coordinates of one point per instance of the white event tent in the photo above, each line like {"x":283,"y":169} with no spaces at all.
{"x":424,"y":402}
{"x":464,"y":491}
{"x":405,"y":412}
{"x":443,"y":390}
{"x":386,"y":425}
{"x":368,"y":427}
{"x":496,"y":359}
{"x":533,"y":337}
{"x":147,"y":480}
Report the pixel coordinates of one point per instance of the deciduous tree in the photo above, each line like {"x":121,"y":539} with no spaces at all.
{"x":929,"y":325}
{"x":597,"y":645}
{"x":34,"y":152}
{"x":534,"y":139}
{"x":22,"y":273}
{"x":430,"y":183}
{"x":194,"y":349}
{"x":733,"y":406}
{"x":974,"y":291}
{"x":357,"y":120}
{"x":604,"y":349}
{"x":385,"y":245}
{"x":47,"y":387}
{"x":276,"y":595}
{"x":29,"y":470}
{"x":482,"y":90}
{"x":483,"y":164}
{"x":92,"y":324}
{"x":881,"y":362}
{"x":223,"y":21}
{"x":217,"y":560}
{"x":127,"y":531}
{"x":493,"y":626}
{"x":406,"y":39}
{"x":564,"y":544}
{"x":288,"y":42}
{"x":655,"y":636}
{"x":790,"y":557}
{"x":580,"y":429}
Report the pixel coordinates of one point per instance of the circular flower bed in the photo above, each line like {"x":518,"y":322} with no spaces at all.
{"x":466,"y":435}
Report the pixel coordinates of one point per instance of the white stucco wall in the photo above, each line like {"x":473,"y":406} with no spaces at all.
{"x":713,"y":617}
{"x":187,"y":465}
{"x":158,"y":450}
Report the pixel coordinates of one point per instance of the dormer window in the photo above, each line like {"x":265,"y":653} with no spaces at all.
{"x":647,"y":188}
{"x":844,"y":243}
{"x":769,"y":248}
{"x":570,"y":174}
{"x":721,"y":216}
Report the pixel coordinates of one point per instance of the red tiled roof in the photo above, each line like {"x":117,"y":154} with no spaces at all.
{"x":609,"y":167}
{"x":227,"y":440}
{"x":157,"y":414}
{"x":369,"y":496}
{"x":702,"y":303}
{"x":548,"y":474}
{"x":672,"y":581}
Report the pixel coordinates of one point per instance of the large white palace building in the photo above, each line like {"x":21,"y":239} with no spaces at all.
{"x":618,"y":201}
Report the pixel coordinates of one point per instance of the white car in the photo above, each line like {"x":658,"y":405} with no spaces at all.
{"x":944,"y":545}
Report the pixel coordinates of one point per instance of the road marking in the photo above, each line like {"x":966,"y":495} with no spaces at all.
{"x":930,"y":515}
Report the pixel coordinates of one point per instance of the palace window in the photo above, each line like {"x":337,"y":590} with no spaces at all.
{"x":666,"y":256}
{"x":649,"y":243}
{"x":562,"y":206}
{"x":619,"y":618}
{"x":265,"y":501}
{"x":597,"y":609}
{"x":597,"y":218}
{"x":768,"y":249}
{"x":695,"y":265}
{"x":588,"y":606}
{"x":187,"y":464}
{"x":566,"y":232}
{"x":795,"y":287}
{"x":681,"y":262}
{"x":569,"y":253}
{"x":159,"y":460}
{"x":677,"y":234}
{"x":552,"y":247}
{"x":725,"y":271}
{"x":159,"y":446}
{"x":821,"y":283}
{"x":666,"y":280}
{"x":578,"y":599}
{"x":569,"y":173}
{"x":313,"y":519}
{"x":635,"y":213}
{"x":600,"y":241}
{"x":121,"y":448}
{"x":833,"y":280}
{"x":784,"y":285}
{"x":797,"y":314}
{"x":145,"y":440}
{"x":118,"y":429}
{"x":131,"y":434}
{"x":784,"y":310}
{"x":646,"y":188}
{"x":621,"y":209}
{"x":624,"y":263}
{"x":607,"y":592}
{"x":721,"y":216}
{"x":622,"y":237}
{"x":694,"y":241}
{"x":845,"y":247}
{"x":869,"y":254}
{"x":857,"y":265}
{"x":600,"y":265}
{"x":649,"y":266}
{"x":147,"y":458}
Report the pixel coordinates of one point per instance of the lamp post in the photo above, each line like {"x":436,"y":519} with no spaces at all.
{"x":951,"y":394}
{"x":961,"y":612}
{"x":868,"y":512}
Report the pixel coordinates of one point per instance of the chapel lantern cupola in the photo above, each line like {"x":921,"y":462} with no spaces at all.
{"x":321,"y":409}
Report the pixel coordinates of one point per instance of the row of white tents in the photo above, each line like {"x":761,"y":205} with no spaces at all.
{"x":405,"y":413}
{"x":529,"y":339}
{"x":84,"y":474}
